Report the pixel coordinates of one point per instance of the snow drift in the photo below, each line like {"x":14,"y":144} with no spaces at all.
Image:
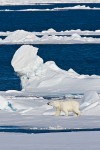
{"x":38,"y":76}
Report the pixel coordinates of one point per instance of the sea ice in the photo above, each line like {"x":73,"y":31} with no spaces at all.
{"x":77,"y":7}
{"x":5,"y":104}
{"x":50,"y":31}
{"x":69,"y":141}
{"x":49,"y":37}
{"x":30,"y":2}
{"x":47,"y":77}
{"x":20,"y":36}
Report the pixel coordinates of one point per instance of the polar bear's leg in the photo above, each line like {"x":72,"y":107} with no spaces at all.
{"x":66,"y":112}
{"x":57,"y":113}
{"x":77,"y":112}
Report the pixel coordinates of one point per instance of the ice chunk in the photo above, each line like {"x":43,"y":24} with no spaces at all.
{"x":48,"y":77}
{"x":25,"y":60}
{"x":49,"y":31}
{"x":5,"y":33}
{"x":49,"y":37}
{"x":20,"y":36}
{"x":72,"y":73}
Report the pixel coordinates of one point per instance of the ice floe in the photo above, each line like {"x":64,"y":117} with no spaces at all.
{"x":50,"y":37}
{"x":37,"y":106}
{"x":20,"y":36}
{"x":77,"y":7}
{"x":30,"y":2}
{"x":47,"y":77}
{"x":52,"y":31}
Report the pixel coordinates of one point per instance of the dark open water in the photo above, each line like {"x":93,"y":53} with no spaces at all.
{"x":58,"y":20}
{"x":28,"y":130}
{"x":84,"y":59}
{"x":49,"y":6}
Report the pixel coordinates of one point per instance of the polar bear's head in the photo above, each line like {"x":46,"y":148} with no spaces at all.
{"x":54,"y":103}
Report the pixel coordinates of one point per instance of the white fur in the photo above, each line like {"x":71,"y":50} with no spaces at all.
{"x":65,"y":106}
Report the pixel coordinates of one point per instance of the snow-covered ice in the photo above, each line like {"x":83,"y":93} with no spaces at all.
{"x":49,"y":37}
{"x":27,"y":108}
{"x":5,"y":104}
{"x":20,"y":36}
{"x":47,"y":77}
{"x":64,"y":141}
{"x":30,"y":2}
{"x":50,"y":31}
{"x":33,"y":112}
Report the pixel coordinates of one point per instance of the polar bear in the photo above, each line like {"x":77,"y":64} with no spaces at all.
{"x":65,"y":106}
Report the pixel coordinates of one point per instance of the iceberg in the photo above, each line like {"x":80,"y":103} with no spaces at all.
{"x":47,"y":77}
